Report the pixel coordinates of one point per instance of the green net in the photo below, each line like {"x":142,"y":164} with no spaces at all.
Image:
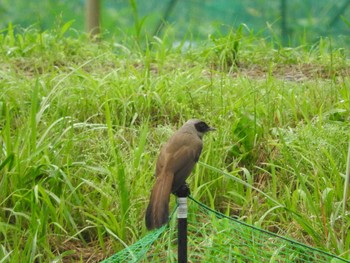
{"x":215,"y":237}
{"x":136,"y":251}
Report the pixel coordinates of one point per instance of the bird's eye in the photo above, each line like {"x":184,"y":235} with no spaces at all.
{"x":201,"y":127}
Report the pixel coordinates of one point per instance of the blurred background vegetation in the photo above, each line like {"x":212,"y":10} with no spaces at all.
{"x":291,"y":22}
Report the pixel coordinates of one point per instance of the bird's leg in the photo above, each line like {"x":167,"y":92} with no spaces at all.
{"x":183,"y":191}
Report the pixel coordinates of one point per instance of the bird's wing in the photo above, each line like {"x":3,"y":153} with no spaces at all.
{"x":183,"y":159}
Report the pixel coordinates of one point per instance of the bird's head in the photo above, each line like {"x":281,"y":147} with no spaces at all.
{"x":200,"y":126}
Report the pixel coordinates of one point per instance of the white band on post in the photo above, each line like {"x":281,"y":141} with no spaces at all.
{"x":182,"y":208}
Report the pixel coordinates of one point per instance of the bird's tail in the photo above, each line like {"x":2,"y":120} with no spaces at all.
{"x":157,"y":212}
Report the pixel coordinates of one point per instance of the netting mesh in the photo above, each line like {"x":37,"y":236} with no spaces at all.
{"x":137,"y":250}
{"x":214,"y":237}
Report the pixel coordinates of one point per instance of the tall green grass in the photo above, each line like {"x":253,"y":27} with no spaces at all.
{"x":82,"y":124}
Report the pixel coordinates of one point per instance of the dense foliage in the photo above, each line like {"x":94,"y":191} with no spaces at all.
{"x":82,"y":122}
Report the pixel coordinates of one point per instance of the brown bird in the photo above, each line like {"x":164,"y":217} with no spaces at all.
{"x":175,"y":163}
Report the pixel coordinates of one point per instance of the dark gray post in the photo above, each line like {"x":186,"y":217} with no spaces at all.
{"x":182,"y":194}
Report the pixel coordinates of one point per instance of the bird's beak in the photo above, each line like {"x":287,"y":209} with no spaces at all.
{"x":212,"y":129}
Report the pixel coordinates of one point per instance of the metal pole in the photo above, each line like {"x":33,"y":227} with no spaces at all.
{"x":182,"y":230}
{"x":182,"y":194}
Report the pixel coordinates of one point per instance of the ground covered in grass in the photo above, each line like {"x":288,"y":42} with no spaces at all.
{"x":82,"y":122}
